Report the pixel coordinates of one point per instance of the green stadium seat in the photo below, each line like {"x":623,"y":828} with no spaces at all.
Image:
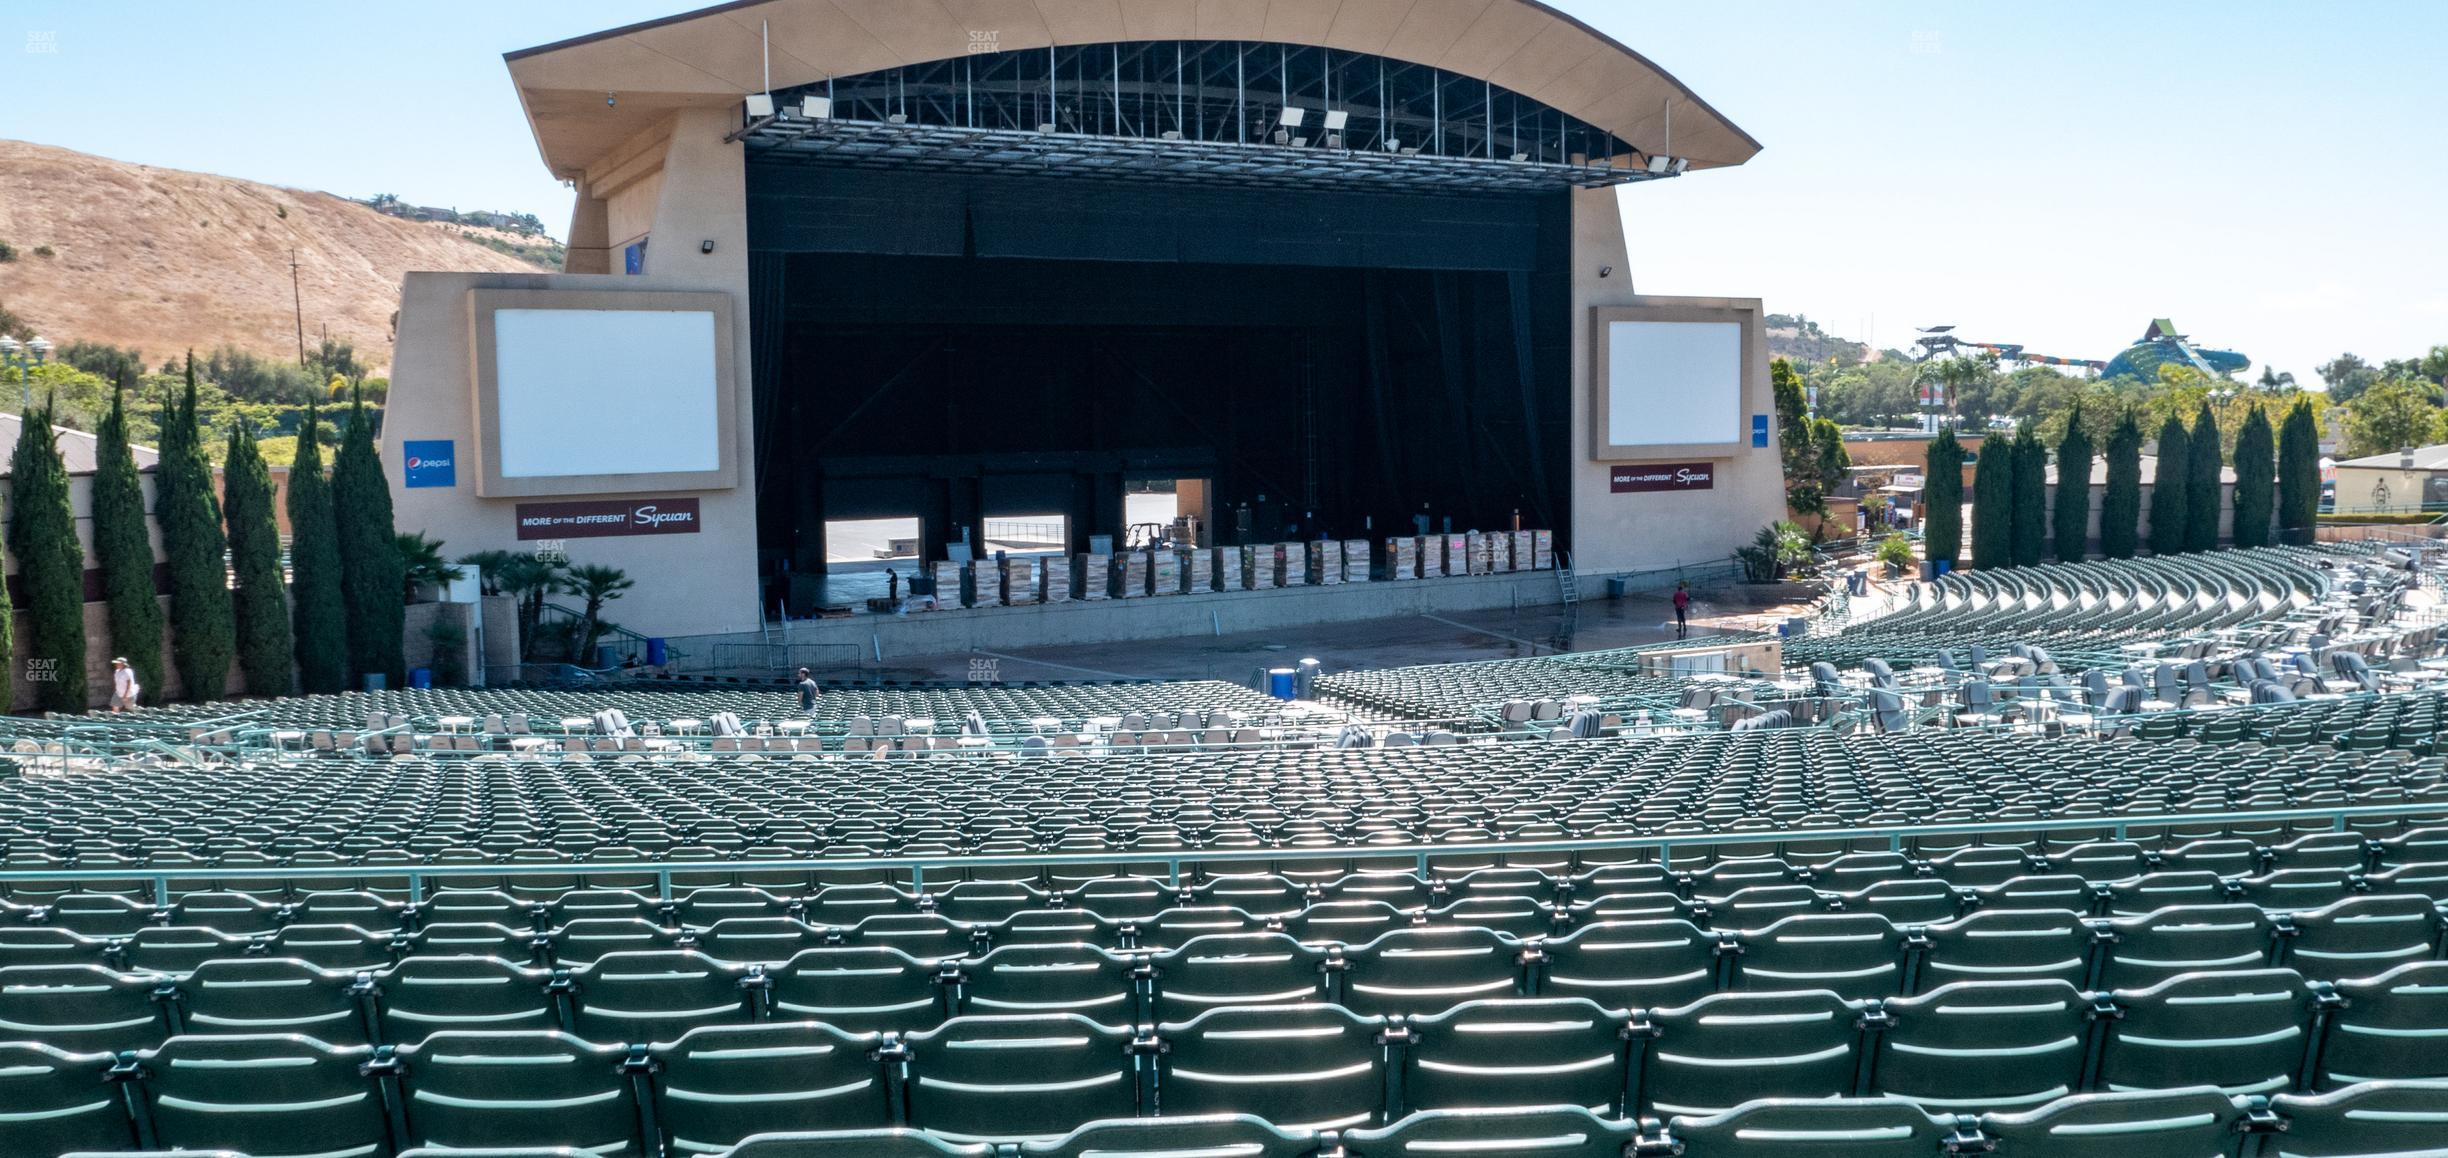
{"x":53,"y":1101}
{"x":1313,"y":1067}
{"x":1846,"y":1128}
{"x":270,"y":1096}
{"x":2390,"y":1027}
{"x":1517,"y":1053}
{"x":858,"y":989}
{"x":80,"y":1008}
{"x":1975,"y":1046}
{"x":2245,"y":1031}
{"x":1008,"y":1078}
{"x":273,"y":995}
{"x":721,"y":1084}
{"x":422,"y":996}
{"x":1729,"y":1048}
{"x":1548,"y":1132}
{"x":463,"y":1090}
{"x":655,"y":996}
{"x":2188,"y":1122}
{"x":2374,"y":1120}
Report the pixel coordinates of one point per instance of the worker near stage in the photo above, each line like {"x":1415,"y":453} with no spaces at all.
{"x":1682,"y":606}
{"x":807,"y":691}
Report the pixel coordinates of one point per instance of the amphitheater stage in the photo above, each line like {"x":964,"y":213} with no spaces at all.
{"x":869,"y":640}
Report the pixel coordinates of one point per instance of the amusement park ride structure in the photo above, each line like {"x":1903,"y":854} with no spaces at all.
{"x":2159,"y":345}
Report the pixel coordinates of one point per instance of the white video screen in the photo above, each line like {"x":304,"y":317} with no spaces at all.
{"x":1671,"y":383}
{"x":595,"y":392}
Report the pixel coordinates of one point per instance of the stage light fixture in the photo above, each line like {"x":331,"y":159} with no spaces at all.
{"x":1292,"y":117}
{"x":816,"y":108}
{"x":1334,"y":140}
{"x":1519,"y":157}
{"x":1046,"y":127}
{"x":897,"y":119}
{"x":760,"y":105}
{"x":1170,"y":134}
{"x":1336,"y":119}
{"x":1657,"y":164}
{"x":1680,"y":164}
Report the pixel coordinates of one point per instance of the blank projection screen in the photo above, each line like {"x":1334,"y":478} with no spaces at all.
{"x":606,"y":392}
{"x":1673,"y":383}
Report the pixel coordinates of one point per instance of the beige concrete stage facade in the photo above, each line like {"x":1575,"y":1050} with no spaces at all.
{"x":648,"y":122}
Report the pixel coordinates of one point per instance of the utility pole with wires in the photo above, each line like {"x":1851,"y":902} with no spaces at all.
{"x":297,"y":305}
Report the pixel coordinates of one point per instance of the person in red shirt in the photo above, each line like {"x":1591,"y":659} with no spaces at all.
{"x":1682,"y":606}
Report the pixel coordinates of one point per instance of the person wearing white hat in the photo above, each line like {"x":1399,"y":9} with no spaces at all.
{"x":123,"y":685}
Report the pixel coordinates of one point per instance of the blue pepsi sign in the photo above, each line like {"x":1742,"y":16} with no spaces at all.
{"x":431,"y":463}
{"x":1759,"y":430}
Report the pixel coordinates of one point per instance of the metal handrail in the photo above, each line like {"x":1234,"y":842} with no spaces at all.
{"x":1894,"y":836}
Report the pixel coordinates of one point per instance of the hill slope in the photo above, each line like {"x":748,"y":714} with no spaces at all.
{"x":167,"y":260}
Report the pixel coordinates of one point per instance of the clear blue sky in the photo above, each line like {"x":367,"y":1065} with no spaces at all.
{"x":2270,"y":175}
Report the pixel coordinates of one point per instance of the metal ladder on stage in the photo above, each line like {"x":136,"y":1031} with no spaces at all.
{"x":1567,"y":584}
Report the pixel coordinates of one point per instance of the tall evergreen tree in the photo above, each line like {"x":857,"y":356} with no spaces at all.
{"x":2256,"y":472}
{"x":2072,"y":525}
{"x":2169,"y":504}
{"x":202,"y":634}
{"x":371,"y":573}
{"x":2030,"y":527}
{"x":1993,"y":504}
{"x":2298,"y":475}
{"x":319,"y":615}
{"x":123,"y":549}
{"x":1942,"y":494}
{"x":42,"y":535}
{"x":2202,"y":489}
{"x":2121,"y":498}
{"x":261,"y":597}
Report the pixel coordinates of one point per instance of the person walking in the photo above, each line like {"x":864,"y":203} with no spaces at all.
{"x":1682,"y":606}
{"x":807,"y":691}
{"x":123,"y":685}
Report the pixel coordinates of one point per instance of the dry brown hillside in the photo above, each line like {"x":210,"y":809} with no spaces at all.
{"x":166,"y":260}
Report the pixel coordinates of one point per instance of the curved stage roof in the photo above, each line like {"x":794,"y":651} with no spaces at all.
{"x":714,"y":56}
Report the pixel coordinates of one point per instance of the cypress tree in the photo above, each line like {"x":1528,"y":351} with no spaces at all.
{"x":2121,"y":498}
{"x":202,"y":636}
{"x":2030,"y":526}
{"x":2255,"y":470}
{"x":2169,"y":505}
{"x":371,"y":574}
{"x":2202,"y":483}
{"x":2298,"y":475}
{"x":1993,"y":504}
{"x":2073,"y":513}
{"x":1942,"y":494}
{"x":261,"y":597}
{"x":42,"y":535}
{"x":123,"y":550}
{"x":319,"y":616}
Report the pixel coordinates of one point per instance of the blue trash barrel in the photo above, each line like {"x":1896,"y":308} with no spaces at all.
{"x":375,"y":681}
{"x":1279,"y":682}
{"x":656,"y":653}
{"x":420,"y":677}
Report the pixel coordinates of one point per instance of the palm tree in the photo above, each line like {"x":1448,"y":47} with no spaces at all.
{"x":529,"y":578}
{"x":488,"y":565}
{"x":597,"y":585}
{"x":2274,"y":382}
{"x":423,"y":564}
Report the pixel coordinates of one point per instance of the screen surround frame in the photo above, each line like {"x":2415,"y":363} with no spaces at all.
{"x":1601,"y":322}
{"x":485,"y":304}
